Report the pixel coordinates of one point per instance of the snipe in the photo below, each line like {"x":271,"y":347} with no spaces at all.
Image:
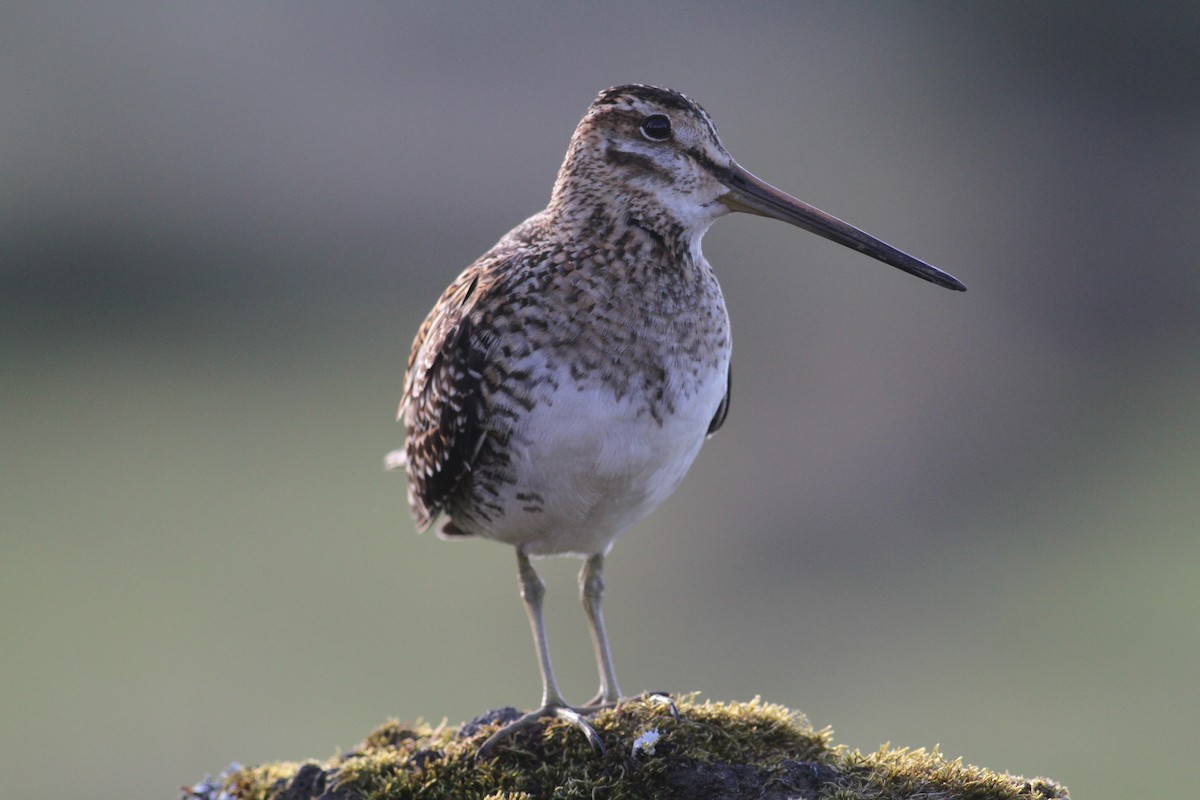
{"x":564,"y":382}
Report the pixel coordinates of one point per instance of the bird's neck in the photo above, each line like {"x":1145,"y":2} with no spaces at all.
{"x":632,"y":216}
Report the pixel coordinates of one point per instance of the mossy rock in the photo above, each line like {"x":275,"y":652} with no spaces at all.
{"x":713,"y":750}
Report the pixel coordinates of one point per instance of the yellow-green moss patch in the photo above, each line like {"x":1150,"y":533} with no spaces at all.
{"x":726,"y":750}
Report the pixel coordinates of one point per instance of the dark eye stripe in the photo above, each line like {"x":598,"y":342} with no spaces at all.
{"x":707,"y":163}
{"x":614,"y":156}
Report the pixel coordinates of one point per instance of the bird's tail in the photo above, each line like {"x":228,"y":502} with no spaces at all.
{"x":397,"y":459}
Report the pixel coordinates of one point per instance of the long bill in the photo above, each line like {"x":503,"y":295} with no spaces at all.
{"x":752,"y":195}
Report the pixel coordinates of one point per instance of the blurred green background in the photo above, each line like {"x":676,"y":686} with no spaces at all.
{"x":931,"y":518}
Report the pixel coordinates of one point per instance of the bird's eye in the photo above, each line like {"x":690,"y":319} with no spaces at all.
{"x":656,"y":127}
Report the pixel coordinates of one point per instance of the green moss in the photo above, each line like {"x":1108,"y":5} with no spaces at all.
{"x":258,"y":783}
{"x":727,"y":750}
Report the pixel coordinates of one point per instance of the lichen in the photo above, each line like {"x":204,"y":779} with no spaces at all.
{"x":727,"y":750}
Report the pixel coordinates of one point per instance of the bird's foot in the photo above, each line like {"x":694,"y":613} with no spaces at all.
{"x":663,"y":699}
{"x":599,"y":702}
{"x":536,"y":717}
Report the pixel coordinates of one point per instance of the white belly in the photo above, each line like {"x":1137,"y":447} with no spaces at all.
{"x":589,"y":466}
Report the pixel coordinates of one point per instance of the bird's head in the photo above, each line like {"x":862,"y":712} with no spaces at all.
{"x":651,"y":149}
{"x":656,"y":152}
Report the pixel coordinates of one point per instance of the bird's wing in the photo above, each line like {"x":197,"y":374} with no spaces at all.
{"x":723,"y":409}
{"x":442,"y":406}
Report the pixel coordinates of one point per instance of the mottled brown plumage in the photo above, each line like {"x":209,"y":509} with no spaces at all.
{"x":564,"y":382}
{"x":602,"y":288}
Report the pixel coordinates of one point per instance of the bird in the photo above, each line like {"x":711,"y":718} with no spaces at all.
{"x":564,"y":382}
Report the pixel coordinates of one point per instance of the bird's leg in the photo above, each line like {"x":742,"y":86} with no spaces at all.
{"x":553,"y":705}
{"x":591,"y":591}
{"x":532,"y":592}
